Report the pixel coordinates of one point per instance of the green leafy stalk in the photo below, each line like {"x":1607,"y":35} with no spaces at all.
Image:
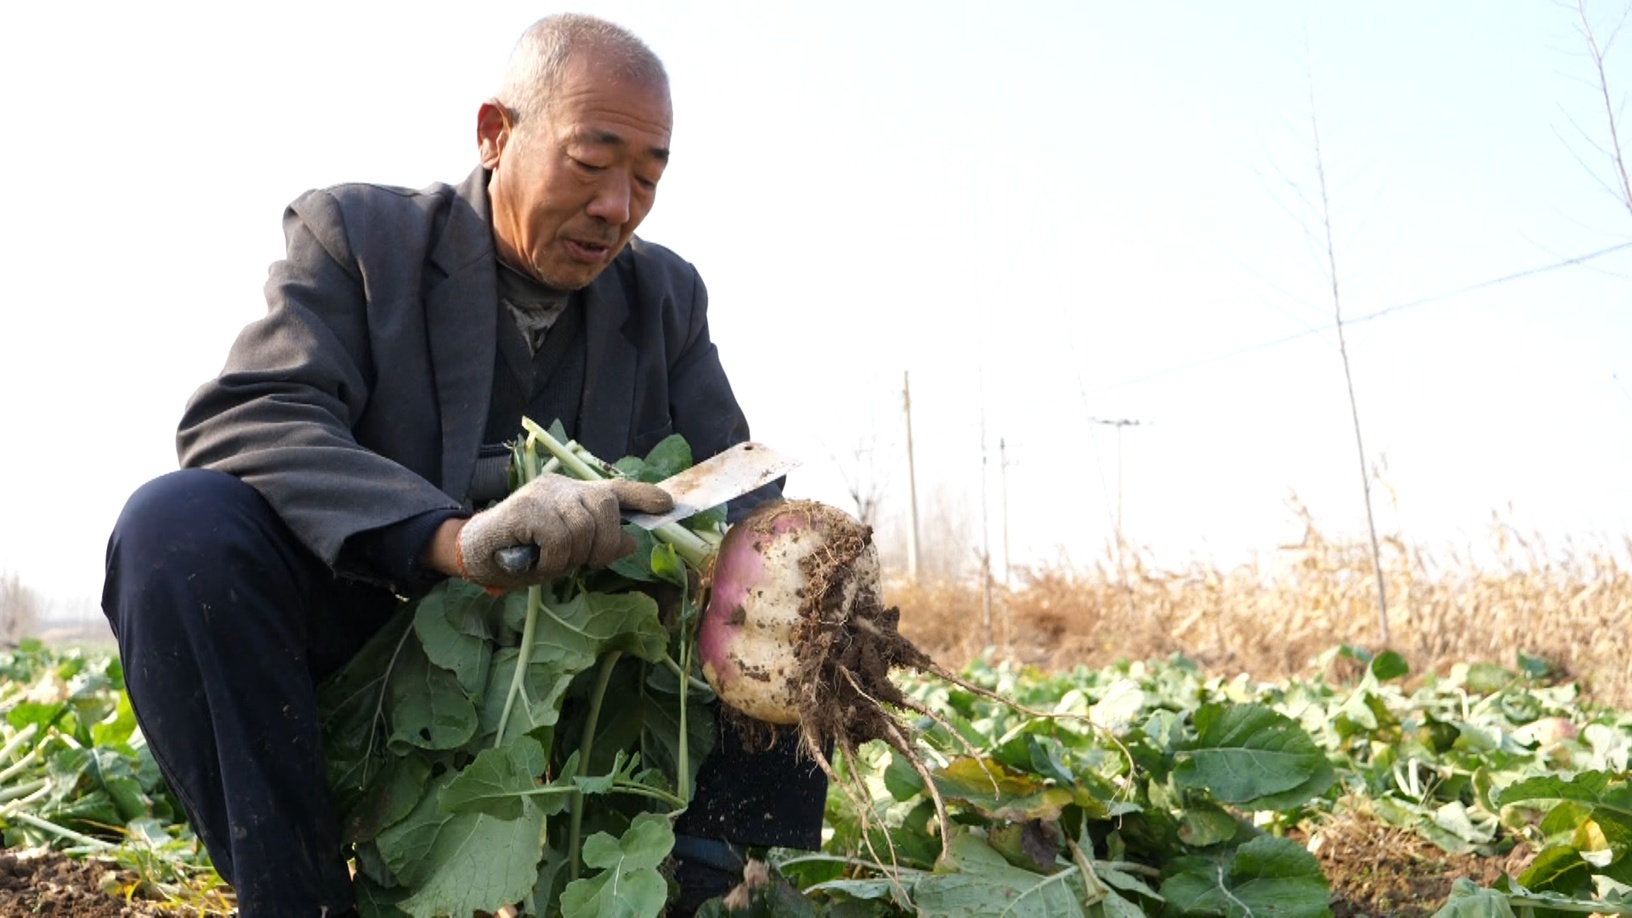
{"x":51,"y":827}
{"x":17,"y":741}
{"x":524,"y":657}
{"x":21,"y":765}
{"x":24,"y":790}
{"x":535,"y":602}
{"x":587,"y":746}
{"x":683,"y":756}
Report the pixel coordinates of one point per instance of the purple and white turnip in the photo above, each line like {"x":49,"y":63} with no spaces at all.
{"x":795,"y":633}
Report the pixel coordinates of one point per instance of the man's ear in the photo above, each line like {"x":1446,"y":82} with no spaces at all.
{"x":492,"y":132}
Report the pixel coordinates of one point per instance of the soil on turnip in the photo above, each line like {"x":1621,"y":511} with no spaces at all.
{"x":845,"y":656}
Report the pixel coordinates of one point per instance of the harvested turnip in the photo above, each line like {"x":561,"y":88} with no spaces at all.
{"x":795,"y":626}
{"x":796,"y":633}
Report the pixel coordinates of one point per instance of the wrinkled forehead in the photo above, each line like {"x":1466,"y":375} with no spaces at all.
{"x":607,"y":108}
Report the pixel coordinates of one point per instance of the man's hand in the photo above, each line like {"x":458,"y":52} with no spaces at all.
{"x":572,"y":522}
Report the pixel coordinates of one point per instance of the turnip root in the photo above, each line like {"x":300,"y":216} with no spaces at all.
{"x":796,"y":633}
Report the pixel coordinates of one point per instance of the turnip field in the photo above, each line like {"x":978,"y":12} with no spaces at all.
{"x":1486,"y":791}
{"x":1096,"y":740}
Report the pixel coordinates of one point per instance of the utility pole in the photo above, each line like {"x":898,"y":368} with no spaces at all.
{"x":1121,"y":564}
{"x":1003,"y":484}
{"x":985,"y":537}
{"x":1119,"y":424}
{"x":912,"y":482}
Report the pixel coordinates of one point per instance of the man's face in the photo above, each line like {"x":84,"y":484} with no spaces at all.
{"x":569,"y":190}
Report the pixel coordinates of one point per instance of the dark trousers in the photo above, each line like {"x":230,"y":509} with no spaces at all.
{"x":225,"y":624}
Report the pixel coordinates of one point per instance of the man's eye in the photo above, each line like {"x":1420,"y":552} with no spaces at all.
{"x":587,"y":167}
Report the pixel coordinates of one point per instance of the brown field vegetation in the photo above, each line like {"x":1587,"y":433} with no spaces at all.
{"x":1570,"y":605}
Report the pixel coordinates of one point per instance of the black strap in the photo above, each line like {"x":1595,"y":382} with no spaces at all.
{"x":720,"y":855}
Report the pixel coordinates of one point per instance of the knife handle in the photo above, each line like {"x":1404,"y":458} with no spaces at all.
{"x":517,"y":559}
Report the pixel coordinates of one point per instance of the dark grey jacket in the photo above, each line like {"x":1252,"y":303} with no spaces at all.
{"x":360,"y":399}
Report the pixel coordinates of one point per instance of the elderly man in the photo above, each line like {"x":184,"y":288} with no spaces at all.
{"x":334,"y":464}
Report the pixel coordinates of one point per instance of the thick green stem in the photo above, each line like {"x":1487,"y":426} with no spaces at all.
{"x":642,"y":790}
{"x":682,"y":780}
{"x":573,"y":465}
{"x":57,"y":830}
{"x":679,"y":673}
{"x":524,"y":658}
{"x":23,"y":736}
{"x":23,"y":790}
{"x":529,"y":469}
{"x":689,"y":545}
{"x":21,"y":765}
{"x":586,"y":746}
{"x":618,"y":787}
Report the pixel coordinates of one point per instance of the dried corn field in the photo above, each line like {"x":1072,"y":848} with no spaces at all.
{"x":1570,"y":605}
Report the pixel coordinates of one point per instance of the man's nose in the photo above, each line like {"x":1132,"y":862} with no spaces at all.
{"x":611,"y":201}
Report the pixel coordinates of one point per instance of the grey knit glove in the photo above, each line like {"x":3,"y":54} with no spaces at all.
{"x":572,"y":522}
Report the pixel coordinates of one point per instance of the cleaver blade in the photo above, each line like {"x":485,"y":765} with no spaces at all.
{"x":717,"y":479}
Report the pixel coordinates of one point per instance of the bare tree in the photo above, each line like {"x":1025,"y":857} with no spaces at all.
{"x":1329,"y":256}
{"x":866,"y":478}
{"x":19,"y":610}
{"x":1609,"y":147}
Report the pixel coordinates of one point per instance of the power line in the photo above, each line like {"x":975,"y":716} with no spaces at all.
{"x":1364,"y":317}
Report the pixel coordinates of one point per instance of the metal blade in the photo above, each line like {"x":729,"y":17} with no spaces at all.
{"x":709,"y":483}
{"x":715,"y":480}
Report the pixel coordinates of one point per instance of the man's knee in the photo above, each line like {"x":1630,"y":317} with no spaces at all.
{"x":179,"y":507}
{"x":181,"y":533}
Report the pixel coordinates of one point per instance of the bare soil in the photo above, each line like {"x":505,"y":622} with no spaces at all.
{"x":50,"y":883}
{"x":1378,"y":870}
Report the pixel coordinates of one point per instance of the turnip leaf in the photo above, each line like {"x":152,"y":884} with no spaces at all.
{"x":629,"y":883}
{"x":498,"y":782}
{"x":979,"y":882}
{"x":461,"y":863}
{"x":351,"y":707}
{"x":390,"y":797}
{"x":1000,"y":792}
{"x":427,"y":706}
{"x":538,"y":705}
{"x":1265,"y":876}
{"x":1605,"y":792}
{"x":1469,"y":900}
{"x":465,"y":655}
{"x":1242,"y":754}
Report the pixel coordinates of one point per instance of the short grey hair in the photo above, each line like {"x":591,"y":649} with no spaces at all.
{"x":541,"y":55}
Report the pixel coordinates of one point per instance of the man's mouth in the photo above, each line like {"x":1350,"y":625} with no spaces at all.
{"x":587,"y":251}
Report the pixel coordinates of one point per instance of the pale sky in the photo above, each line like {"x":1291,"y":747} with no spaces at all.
{"x":1046,"y":212}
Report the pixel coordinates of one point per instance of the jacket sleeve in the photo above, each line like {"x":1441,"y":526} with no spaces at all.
{"x":282,"y":412}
